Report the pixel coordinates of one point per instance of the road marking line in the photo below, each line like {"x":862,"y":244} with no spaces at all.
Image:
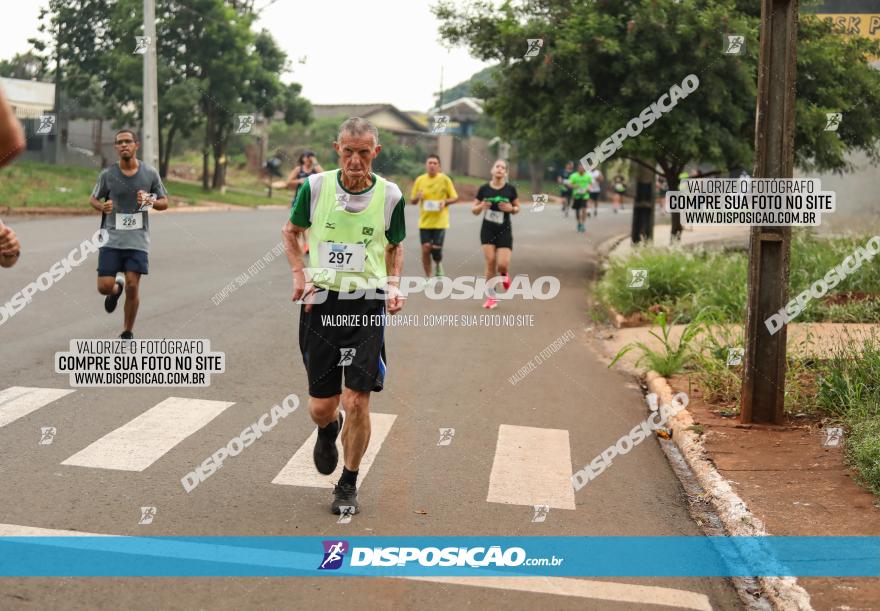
{"x":585,"y":588}
{"x":139,"y":443}
{"x":561,"y":586}
{"x":19,"y":401}
{"x":532,"y":466}
{"x":300,"y":469}
{"x":14,"y":530}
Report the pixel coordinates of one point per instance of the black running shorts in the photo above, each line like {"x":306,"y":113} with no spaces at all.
{"x":434,"y":237}
{"x":501,"y":236}
{"x":343,"y":335}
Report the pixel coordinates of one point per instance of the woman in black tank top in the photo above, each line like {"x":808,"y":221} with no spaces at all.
{"x":305,"y":167}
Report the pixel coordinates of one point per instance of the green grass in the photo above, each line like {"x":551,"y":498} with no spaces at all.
{"x":29,"y":184}
{"x":849,"y":390}
{"x":843,"y":388}
{"x":193,"y":194}
{"x":684,"y":282}
{"x":674,"y":357}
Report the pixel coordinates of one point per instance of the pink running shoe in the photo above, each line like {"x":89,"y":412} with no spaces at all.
{"x":506,"y":282}
{"x":491,"y":303}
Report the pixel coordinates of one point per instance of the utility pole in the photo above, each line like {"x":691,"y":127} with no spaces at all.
{"x":59,"y":79}
{"x":441,"y":89}
{"x":151,"y":94}
{"x":763,"y":390}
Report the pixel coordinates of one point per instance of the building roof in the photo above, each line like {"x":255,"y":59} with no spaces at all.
{"x":461,"y":109}
{"x":365,"y":111}
{"x":28,"y":98}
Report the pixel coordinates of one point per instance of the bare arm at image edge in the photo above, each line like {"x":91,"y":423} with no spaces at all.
{"x":9,"y":246}
{"x":11,"y":136}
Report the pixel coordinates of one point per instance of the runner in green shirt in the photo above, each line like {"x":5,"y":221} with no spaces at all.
{"x":580,"y":184}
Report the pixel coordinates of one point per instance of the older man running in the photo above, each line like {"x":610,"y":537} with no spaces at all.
{"x":356,"y":225}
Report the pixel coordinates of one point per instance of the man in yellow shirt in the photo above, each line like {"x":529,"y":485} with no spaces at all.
{"x":433,"y":192}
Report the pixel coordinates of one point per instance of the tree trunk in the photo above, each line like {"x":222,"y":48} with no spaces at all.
{"x":536,"y":170}
{"x":643,"y":204}
{"x":219,"y":161}
{"x":206,"y":150}
{"x":165,"y":153}
{"x":672,"y":185}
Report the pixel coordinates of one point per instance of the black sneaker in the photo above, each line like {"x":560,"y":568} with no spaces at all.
{"x":126,"y":335}
{"x":325,"y":453}
{"x":344,"y":495}
{"x":112,"y":299}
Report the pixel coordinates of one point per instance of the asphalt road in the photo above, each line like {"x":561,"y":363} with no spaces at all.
{"x":438,"y":377}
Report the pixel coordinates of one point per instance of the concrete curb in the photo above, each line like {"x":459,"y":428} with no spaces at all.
{"x":604,"y":249}
{"x":783,"y":592}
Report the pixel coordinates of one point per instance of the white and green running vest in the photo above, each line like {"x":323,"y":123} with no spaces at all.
{"x":343,"y":239}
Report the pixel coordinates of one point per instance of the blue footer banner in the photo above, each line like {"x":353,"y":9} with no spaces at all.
{"x":81,"y":556}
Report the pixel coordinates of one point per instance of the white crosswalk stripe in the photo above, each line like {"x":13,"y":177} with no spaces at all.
{"x":300,"y":470}
{"x":141,"y":442}
{"x":19,"y":401}
{"x":532,"y":466}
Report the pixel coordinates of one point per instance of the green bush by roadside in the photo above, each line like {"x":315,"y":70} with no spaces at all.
{"x":684,"y":282}
{"x":849,"y":389}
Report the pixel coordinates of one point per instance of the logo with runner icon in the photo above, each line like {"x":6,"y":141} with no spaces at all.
{"x":638,"y":278}
{"x":320,"y":275}
{"x":245,"y":124}
{"x":440,"y":123}
{"x":539,"y":200}
{"x":141,"y":45}
{"x":832,"y":121}
{"x":346,"y":356}
{"x":147,"y":515}
{"x":341,"y":201}
{"x":47,"y":124}
{"x":47,"y":435}
{"x":541,"y":512}
{"x":833,"y":437}
{"x":334,"y":554}
{"x":446,"y":435}
{"x":345,"y":513}
{"x":734,"y":356}
{"x":534,"y":47}
{"x":734,"y":44}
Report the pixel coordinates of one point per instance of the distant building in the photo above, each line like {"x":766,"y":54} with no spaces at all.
{"x":31,"y":100}
{"x":463,"y":115}
{"x":384,"y":116}
{"x":857,"y":202}
{"x":452,"y":137}
{"x":86,"y":140}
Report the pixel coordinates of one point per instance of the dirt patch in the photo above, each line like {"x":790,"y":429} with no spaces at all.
{"x":466,"y":192}
{"x":844,"y":298}
{"x":795,"y":485}
{"x":185,"y":171}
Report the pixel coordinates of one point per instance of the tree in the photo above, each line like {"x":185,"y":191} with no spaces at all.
{"x":602,"y":62}
{"x":28,"y":66}
{"x":466,"y":88}
{"x":211,"y":67}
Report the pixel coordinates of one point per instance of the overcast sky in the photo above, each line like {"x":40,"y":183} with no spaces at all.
{"x":387,"y":50}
